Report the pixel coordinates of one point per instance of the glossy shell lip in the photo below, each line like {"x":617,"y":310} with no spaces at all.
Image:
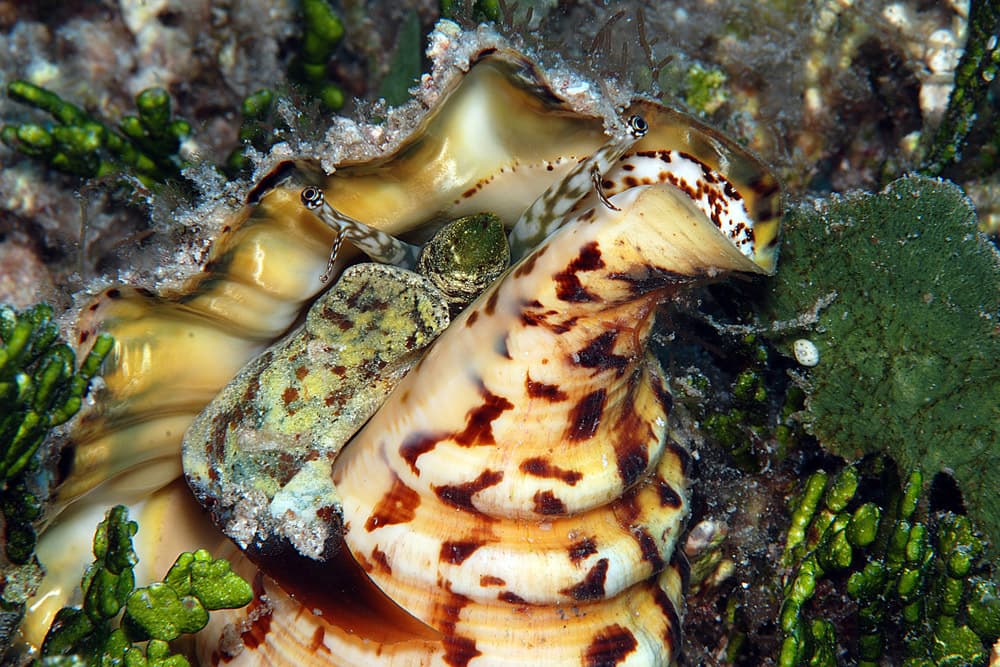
{"x":757,"y":185}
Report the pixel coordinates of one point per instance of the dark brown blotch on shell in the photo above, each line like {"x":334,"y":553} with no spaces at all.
{"x":540,"y":467}
{"x":460,"y":495}
{"x":585,"y":416}
{"x":582,"y":548}
{"x":398,"y":505}
{"x":417,"y":445}
{"x":599,"y":353}
{"x":592,"y":586}
{"x":611,"y":646}
{"x":549,"y":392}
{"x":479,"y":420}
{"x":569,"y":288}
{"x":548,"y":504}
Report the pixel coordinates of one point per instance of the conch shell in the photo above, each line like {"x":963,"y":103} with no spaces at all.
{"x":518,"y":496}
{"x":519,"y":491}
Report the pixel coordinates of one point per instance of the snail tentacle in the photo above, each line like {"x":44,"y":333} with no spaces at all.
{"x":548,"y":212}
{"x":334,"y":249}
{"x":378,"y":245}
{"x":599,"y":189}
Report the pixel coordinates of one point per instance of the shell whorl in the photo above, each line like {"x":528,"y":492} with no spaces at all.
{"x":526,"y":459}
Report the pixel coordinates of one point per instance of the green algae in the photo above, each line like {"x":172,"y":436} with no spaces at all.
{"x":975,"y":73}
{"x":919,"y":587}
{"x":406,"y":66}
{"x":96,"y":635}
{"x":909,"y":341}
{"x":146,"y":145}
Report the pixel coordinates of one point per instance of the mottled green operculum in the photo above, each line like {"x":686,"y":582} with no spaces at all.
{"x":304,"y":398}
{"x":465,"y":257}
{"x":909,"y":343}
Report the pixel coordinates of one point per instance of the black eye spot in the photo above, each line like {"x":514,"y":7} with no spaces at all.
{"x":638,"y":126}
{"x":312,"y":197}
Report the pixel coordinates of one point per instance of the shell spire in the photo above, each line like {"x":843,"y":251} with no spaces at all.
{"x":524,"y":467}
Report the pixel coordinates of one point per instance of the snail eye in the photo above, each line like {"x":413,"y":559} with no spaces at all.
{"x":638,"y":126}
{"x":312,"y":197}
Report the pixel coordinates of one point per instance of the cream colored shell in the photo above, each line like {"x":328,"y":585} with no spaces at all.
{"x":518,"y":492}
{"x":553,"y":541}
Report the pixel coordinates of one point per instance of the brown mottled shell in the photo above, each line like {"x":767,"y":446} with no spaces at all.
{"x":518,"y":496}
{"x":519,"y":491}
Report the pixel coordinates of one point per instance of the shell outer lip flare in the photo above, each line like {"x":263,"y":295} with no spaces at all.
{"x":502,"y":555}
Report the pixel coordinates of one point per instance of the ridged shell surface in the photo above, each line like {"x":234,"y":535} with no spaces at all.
{"x":518,"y":496}
{"x":519,"y":492}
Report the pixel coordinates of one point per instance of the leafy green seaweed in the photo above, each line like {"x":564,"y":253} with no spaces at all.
{"x":910,"y":339}
{"x":156,"y":614}
{"x":976,"y":70}
{"x":322,"y":34}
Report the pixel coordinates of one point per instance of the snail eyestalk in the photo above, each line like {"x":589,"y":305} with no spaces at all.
{"x":548,"y":212}
{"x":378,"y":245}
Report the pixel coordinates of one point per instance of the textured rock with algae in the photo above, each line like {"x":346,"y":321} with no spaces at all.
{"x":909,"y":339}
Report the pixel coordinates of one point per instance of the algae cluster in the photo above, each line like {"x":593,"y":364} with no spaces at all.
{"x":919,"y":587}
{"x":910,"y":340}
{"x":146,"y":145}
{"x":117,"y":618}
